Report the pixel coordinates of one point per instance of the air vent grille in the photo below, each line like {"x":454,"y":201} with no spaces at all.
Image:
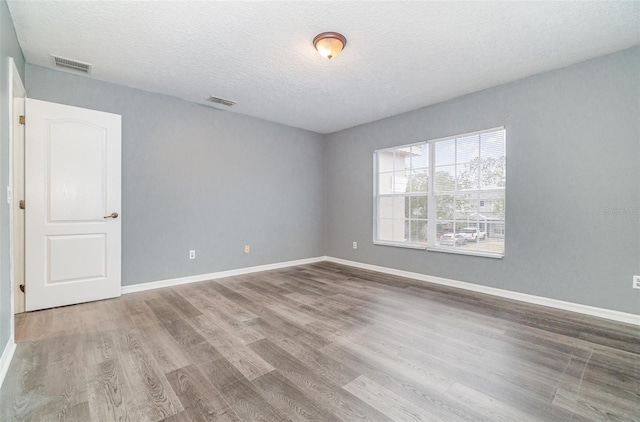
{"x":222,"y":101}
{"x":72,"y":64}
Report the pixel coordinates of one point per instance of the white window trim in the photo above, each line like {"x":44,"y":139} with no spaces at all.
{"x":446,"y":138}
{"x":471,"y":252}
{"x":401,"y":245}
{"x":431,"y":211}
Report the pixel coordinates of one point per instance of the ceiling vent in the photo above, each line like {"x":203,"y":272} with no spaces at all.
{"x":71,"y":64}
{"x":222,"y":101}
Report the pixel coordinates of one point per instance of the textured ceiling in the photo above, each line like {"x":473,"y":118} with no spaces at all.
{"x":399,"y":55}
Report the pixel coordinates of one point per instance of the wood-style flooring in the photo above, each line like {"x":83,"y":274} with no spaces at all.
{"x":320,"y":342}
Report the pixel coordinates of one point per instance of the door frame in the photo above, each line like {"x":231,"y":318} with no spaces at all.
{"x":16,"y":90}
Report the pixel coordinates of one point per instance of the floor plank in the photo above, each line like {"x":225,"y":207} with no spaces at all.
{"x":387,"y":402}
{"x":154,"y":395}
{"x":289,"y":399}
{"x":249,"y":404}
{"x":242,"y":357}
{"x":198,"y":396}
{"x":335,"y":400}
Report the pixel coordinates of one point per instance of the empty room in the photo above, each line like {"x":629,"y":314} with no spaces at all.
{"x":319,"y":211}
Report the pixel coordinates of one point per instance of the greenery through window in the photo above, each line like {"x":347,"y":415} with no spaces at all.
{"x":446,"y":194}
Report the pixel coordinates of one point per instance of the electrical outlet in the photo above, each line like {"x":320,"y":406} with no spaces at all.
{"x":247,"y":248}
{"x":355,"y":245}
{"x":192,"y":254}
{"x":636,"y":281}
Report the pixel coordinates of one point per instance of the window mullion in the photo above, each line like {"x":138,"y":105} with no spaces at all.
{"x":431,"y":198}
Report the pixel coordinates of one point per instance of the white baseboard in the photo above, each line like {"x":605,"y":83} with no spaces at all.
{"x":212,"y":276}
{"x":5,"y":359}
{"x":522,"y":297}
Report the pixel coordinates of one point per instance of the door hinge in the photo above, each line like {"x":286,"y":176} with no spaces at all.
{"x":21,"y":204}
{"x":22,"y":288}
{"x":21,"y":120}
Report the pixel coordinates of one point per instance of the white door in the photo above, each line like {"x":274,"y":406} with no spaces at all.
{"x":72,"y":195}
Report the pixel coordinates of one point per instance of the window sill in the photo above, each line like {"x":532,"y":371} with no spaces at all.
{"x":400,"y":245}
{"x":483,"y":254}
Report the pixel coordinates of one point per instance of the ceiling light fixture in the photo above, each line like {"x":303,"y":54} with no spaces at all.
{"x":329,"y":44}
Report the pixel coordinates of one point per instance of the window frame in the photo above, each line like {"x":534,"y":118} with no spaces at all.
{"x":431,"y":196}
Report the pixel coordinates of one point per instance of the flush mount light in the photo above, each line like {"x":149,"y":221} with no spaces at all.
{"x":329,"y":44}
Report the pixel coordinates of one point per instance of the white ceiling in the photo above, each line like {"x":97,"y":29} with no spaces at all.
{"x":399,"y":56}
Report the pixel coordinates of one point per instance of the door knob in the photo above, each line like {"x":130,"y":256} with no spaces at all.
{"x":112,"y":215}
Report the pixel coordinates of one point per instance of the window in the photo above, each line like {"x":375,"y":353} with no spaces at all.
{"x":401,"y":202}
{"x":436,"y":194}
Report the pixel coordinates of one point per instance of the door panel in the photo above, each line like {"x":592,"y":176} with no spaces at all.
{"x":72,"y":181}
{"x":76,"y":257}
{"x":76,"y":172}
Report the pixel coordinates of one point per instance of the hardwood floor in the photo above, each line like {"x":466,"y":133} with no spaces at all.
{"x":320,"y":342}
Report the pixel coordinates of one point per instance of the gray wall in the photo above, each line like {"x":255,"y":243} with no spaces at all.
{"x":573,"y":152}
{"x":198,"y":178}
{"x":9,"y":47}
